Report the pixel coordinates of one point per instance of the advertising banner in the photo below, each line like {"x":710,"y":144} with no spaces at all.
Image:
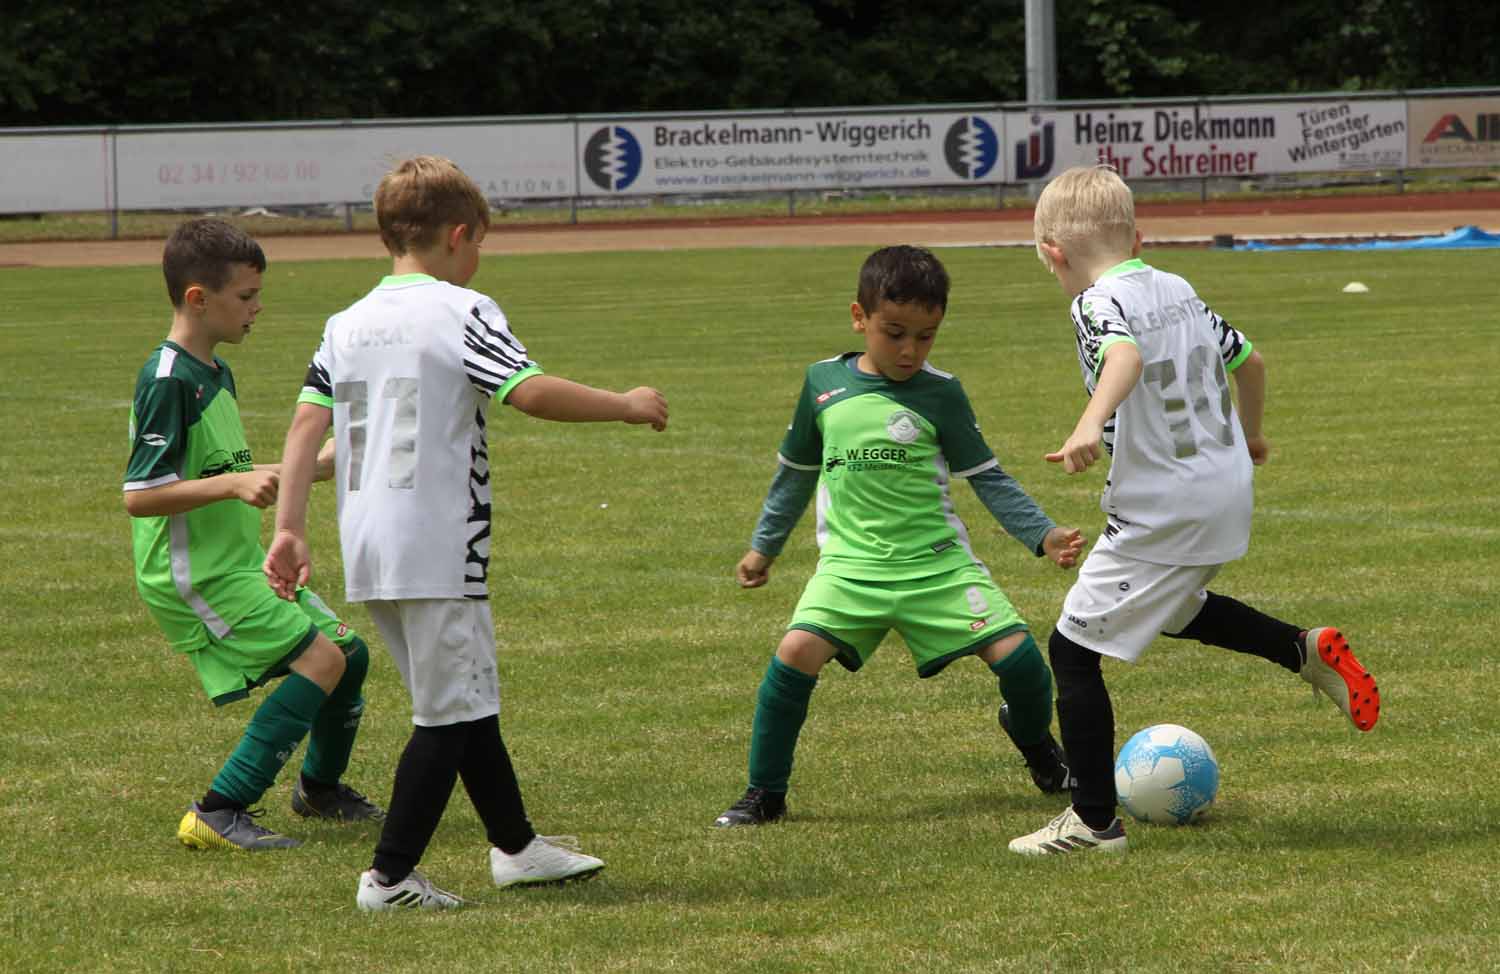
{"x":42,"y":173}
{"x":337,"y":164}
{"x":742,"y":153}
{"x":1454,"y":131}
{"x":1194,"y":141}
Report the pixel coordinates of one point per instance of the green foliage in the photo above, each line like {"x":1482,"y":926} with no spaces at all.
{"x":95,"y":62}
{"x":629,"y":660}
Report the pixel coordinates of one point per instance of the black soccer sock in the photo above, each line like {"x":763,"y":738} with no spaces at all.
{"x":1087,"y":722}
{"x":213,"y":802}
{"x":490,"y":779}
{"x":424,"y":779}
{"x":1229,"y":624}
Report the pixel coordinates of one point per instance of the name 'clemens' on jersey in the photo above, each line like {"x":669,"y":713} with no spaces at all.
{"x":408,"y":371}
{"x":1179,"y":490}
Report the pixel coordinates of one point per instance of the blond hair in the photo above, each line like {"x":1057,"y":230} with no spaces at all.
{"x":421,"y":196}
{"x":1088,"y":212}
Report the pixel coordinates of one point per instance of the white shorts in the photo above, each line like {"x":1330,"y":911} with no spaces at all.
{"x":1119,"y":605}
{"x":445,"y":650}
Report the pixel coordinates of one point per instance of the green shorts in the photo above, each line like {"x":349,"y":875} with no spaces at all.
{"x":262,"y":646}
{"x":941,"y":617}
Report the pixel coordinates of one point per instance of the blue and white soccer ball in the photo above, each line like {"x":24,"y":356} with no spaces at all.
{"x":1166,"y":774}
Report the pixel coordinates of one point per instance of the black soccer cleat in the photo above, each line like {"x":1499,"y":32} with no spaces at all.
{"x":339,"y":804}
{"x":756,"y":807}
{"x":1045,"y":759}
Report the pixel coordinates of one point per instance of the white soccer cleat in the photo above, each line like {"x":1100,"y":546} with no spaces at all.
{"x":412,"y":893}
{"x":1069,"y":833}
{"x":1331,"y":668}
{"x":548,"y":859}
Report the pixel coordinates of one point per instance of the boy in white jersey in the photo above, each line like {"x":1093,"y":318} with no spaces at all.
{"x":880,"y":436}
{"x":1177,"y":499}
{"x":194,"y":494}
{"x":405,"y":375}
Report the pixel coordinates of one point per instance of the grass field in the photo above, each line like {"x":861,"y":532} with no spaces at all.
{"x":629,"y":659}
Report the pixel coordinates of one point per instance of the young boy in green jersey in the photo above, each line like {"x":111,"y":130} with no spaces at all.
{"x":879,"y":435}
{"x":194,"y":495}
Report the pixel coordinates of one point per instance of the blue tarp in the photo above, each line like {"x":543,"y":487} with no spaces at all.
{"x":1462,"y":237}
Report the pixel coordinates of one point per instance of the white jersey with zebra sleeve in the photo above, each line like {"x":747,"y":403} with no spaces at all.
{"x":1179,"y":490}
{"x":408,"y":371}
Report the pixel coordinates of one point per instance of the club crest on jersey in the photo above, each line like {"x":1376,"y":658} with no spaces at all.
{"x":830,"y":394}
{"x":903,"y":426}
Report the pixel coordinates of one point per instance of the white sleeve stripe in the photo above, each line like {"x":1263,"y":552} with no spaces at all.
{"x":797,"y":466}
{"x":483,"y":354}
{"x":170,"y":478}
{"x":965,"y":474}
{"x":501,"y":334}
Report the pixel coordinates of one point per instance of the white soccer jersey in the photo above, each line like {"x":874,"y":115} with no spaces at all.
{"x":408,"y":371}
{"x":1179,"y":487}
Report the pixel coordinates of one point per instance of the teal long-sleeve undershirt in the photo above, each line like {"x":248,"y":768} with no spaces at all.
{"x":792,"y":489}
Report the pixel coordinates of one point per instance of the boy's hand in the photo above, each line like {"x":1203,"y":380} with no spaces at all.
{"x":645,"y":405}
{"x":1082,"y":448}
{"x":754,"y":570}
{"x":1063,"y":546}
{"x":288,"y":564}
{"x":1260,"y":449}
{"x":257,"y":487}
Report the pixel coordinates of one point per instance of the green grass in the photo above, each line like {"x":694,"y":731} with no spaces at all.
{"x":629,"y":660}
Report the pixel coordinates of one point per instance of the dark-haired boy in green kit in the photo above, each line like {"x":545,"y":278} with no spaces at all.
{"x":194,"y":495}
{"x":879,"y":436}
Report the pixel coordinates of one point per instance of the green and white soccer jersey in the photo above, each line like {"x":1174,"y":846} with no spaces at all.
{"x":185,"y":425}
{"x":1179,"y":490}
{"x":887,"y":452}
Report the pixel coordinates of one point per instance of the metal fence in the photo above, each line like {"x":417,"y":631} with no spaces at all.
{"x":594,"y":159}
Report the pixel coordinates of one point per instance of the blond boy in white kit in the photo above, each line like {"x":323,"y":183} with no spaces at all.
{"x":1177,"y":500}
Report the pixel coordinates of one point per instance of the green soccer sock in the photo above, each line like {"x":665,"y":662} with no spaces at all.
{"x":1026,"y":685}
{"x":274,"y":732}
{"x":780,"y":709}
{"x":337,"y":723}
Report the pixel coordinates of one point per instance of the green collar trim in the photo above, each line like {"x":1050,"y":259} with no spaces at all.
{"x":395,"y":279}
{"x":1125,"y":267}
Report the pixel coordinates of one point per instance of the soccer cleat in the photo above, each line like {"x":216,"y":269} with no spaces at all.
{"x":412,"y":893}
{"x":1069,"y":833}
{"x":1330,"y":666}
{"x":1045,"y":759}
{"x":547,"y":859}
{"x":229,"y":828}
{"x":340,"y":804}
{"x":756,"y":807}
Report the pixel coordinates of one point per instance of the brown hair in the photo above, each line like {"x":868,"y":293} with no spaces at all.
{"x":902,"y":275}
{"x":420,"y":196}
{"x":205,"y":252}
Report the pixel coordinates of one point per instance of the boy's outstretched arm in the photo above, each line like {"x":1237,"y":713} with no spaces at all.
{"x":1119,"y":374}
{"x":561,"y":400}
{"x":1024,"y":520}
{"x":791,"y":490}
{"x":288,"y":562}
{"x":255,"y":487}
{"x":1250,"y":396}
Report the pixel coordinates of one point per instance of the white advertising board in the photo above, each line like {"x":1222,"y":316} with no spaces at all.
{"x":1201,"y":140}
{"x":42,"y":173}
{"x":336,"y":164}
{"x":730,"y":154}
{"x":1455,"y":131}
